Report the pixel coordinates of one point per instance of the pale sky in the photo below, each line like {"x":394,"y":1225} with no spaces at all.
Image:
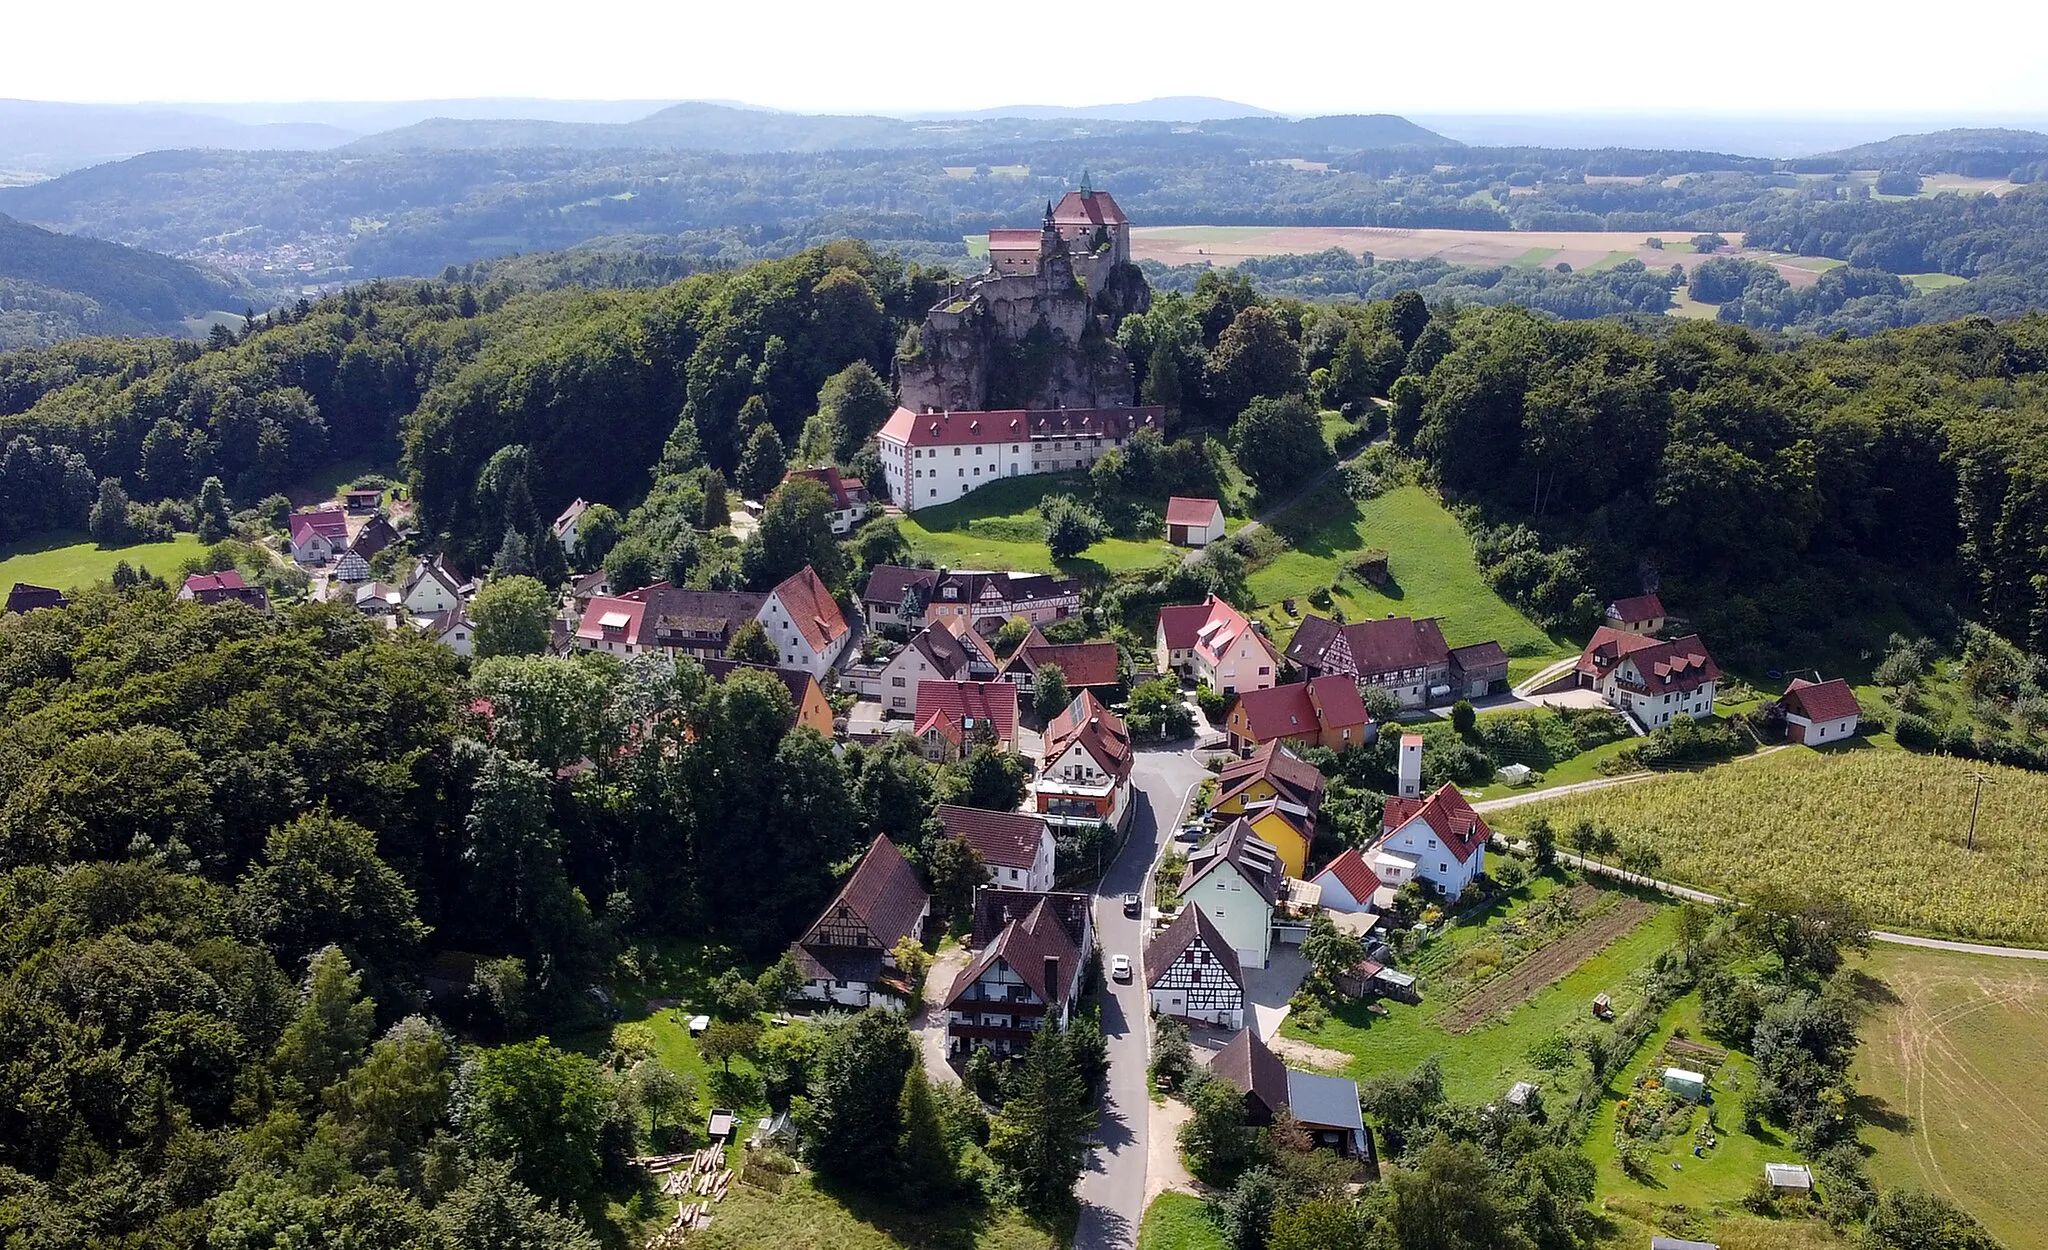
{"x":1301,"y":56}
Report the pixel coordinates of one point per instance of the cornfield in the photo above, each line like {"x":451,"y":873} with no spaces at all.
{"x":1885,"y":828}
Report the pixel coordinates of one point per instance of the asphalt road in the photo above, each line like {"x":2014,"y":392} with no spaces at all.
{"x":1113,"y":1188}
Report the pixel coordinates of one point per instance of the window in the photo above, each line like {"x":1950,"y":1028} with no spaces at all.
{"x":956,"y":451}
{"x":1443,"y":867}
{"x":897,"y":682}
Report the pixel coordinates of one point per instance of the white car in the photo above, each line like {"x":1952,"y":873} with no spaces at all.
{"x":1120,"y":967}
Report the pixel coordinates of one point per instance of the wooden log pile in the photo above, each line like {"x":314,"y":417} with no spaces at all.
{"x":696,"y":1180}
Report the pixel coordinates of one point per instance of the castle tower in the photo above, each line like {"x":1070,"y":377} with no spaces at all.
{"x":1048,"y":234}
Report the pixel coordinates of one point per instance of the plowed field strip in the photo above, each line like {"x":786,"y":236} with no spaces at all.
{"x":1553,"y":963}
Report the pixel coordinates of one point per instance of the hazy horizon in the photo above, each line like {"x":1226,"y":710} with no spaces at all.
{"x":1822,"y":58}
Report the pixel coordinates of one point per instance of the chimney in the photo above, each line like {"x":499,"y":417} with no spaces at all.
{"x":1054,"y":991}
{"x":1409,"y":771}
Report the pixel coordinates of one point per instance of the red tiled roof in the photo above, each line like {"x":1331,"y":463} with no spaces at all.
{"x":1175,"y":939}
{"x":1456,"y":824}
{"x":1081,"y":663}
{"x":225,"y":580}
{"x":1637,"y":608}
{"x":949,"y":704}
{"x":1377,"y":646}
{"x":1182,"y":510}
{"x":1099,"y":731}
{"x":1247,"y":1064}
{"x":1679,"y":665}
{"x":1608,"y":646}
{"x":882,"y":894}
{"x":613,"y":619}
{"x":1359,"y":880}
{"x":812,"y":607}
{"x":1275,"y":764}
{"x":1209,"y":627}
{"x":1025,"y":945}
{"x":841,"y":491}
{"x":330,"y":523}
{"x":1014,"y":240}
{"x":1821,"y":700}
{"x":1304,"y":707}
{"x":1005,"y":839}
{"x":1096,"y":208}
{"x":1016,"y":425}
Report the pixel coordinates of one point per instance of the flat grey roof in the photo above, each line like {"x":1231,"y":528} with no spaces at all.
{"x":1323,"y":1101}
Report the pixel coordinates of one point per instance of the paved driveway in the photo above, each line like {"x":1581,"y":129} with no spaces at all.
{"x":1112,"y":1190}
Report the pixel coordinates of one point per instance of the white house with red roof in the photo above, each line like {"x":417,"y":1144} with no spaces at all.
{"x":805,"y":623}
{"x":1027,"y":973}
{"x":1193,"y":522}
{"x":847,"y":956}
{"x":1348,"y":883}
{"x":317,"y":535}
{"x":221,"y":587}
{"x":1439,"y":839}
{"x":1087,"y":217}
{"x":1016,"y":847}
{"x":951,"y":718}
{"x":1650,"y":680}
{"x":849,"y":495}
{"x":1213,"y":642}
{"x":946,"y":650}
{"x":1820,"y":712}
{"x":932,"y":458}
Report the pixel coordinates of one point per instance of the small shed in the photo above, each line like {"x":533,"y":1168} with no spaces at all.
{"x":1514,"y":774}
{"x":1603,"y":1006}
{"x":364,"y":500}
{"x":721,"y":1124}
{"x":698,"y":1024}
{"x":1193,"y":522}
{"x":1789,"y":1177}
{"x":1686,"y":1083}
{"x":1523,"y":1096}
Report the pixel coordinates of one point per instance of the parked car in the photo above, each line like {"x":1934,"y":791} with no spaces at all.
{"x":1120,"y":967}
{"x":1190,"y":833}
{"x":1131,"y":904}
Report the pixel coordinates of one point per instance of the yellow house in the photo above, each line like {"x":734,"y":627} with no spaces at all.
{"x":1271,"y":772}
{"x":1287,"y":828}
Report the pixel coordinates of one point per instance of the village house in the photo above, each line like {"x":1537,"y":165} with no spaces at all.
{"x":1820,"y":712}
{"x":1407,"y":658}
{"x":1015,"y":847}
{"x":664,"y":618}
{"x":373,"y":536}
{"x":1287,"y":827}
{"x":317,"y":535}
{"x":1238,"y":880}
{"x":434,"y":588}
{"x":1096,"y":666}
{"x":1273,"y":771}
{"x":26,"y":597}
{"x":1320,"y":712}
{"x":809,"y":709}
{"x":567,"y":525}
{"x":1642,"y":614}
{"x":805,"y":623}
{"x":1326,"y":1106}
{"x":379,"y":599}
{"x":1192,"y":973}
{"x":350,"y":567}
{"x":1212,"y":642}
{"x":848,"y":496}
{"x":846,"y":957}
{"x":932,"y":458}
{"x":1032,"y":955}
{"x":1439,"y":839}
{"x":1348,"y":885}
{"x":946,"y":650}
{"x":910,"y":598}
{"x":1193,"y":522}
{"x":222,"y":587}
{"x":951,"y":718}
{"x":1648,"y":679}
{"x":1085,"y":776}
{"x":452,"y":629}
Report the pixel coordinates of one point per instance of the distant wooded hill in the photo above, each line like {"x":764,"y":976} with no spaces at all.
{"x":1976,"y":153}
{"x":57,"y":286}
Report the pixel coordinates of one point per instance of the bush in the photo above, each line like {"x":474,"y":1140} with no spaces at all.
{"x":1463,"y":718}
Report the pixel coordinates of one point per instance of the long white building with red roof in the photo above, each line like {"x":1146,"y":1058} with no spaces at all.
{"x":933,"y":458}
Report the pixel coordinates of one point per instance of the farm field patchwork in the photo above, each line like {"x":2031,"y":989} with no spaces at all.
{"x":997,"y":527}
{"x":1481,"y":1062}
{"x":1954,"y":1067}
{"x":1885,"y":827}
{"x":71,"y":561}
{"x":1433,"y":571}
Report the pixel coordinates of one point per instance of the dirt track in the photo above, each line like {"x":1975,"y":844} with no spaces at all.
{"x":1552,"y":963}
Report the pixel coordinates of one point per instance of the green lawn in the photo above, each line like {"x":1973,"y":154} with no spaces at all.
{"x":1535,"y":257}
{"x":1933,"y":281}
{"x":71,"y":561}
{"x":997,"y":527}
{"x":1179,"y":1222}
{"x":1728,"y":1170}
{"x":329,"y":482}
{"x":1609,"y":261}
{"x":1480,"y":1065}
{"x":1433,"y":572}
{"x":1953,"y":1070}
{"x":804,"y":1217}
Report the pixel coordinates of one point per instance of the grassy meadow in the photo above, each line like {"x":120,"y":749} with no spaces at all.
{"x":803,"y":1216}
{"x":1179,"y":1222}
{"x":69,"y":560}
{"x":1953,"y":1069}
{"x":1432,"y":572}
{"x":997,"y":527}
{"x":1886,"y":828}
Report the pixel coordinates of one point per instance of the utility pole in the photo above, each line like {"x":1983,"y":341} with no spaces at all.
{"x":1978,"y":798}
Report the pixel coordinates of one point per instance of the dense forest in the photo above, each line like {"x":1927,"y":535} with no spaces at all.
{"x":60,"y":286}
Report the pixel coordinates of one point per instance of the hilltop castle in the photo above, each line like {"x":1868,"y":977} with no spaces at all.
{"x":1038,"y":329}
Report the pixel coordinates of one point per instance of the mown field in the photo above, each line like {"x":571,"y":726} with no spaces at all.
{"x":1480,"y":1063}
{"x":1954,"y":1071}
{"x":1179,"y":1222}
{"x":69,"y":560}
{"x":1886,"y":828}
{"x":803,"y":1217}
{"x":1433,"y":572}
{"x":998,"y":527}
